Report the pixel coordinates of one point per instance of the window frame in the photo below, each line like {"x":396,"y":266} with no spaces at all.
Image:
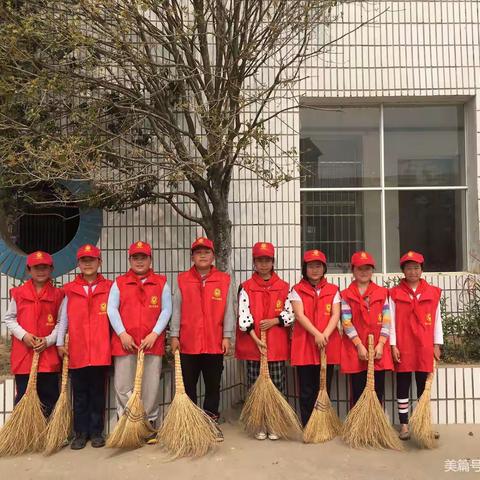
{"x":383,"y":189}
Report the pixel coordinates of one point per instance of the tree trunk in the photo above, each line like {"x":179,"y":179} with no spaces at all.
{"x":220,"y":232}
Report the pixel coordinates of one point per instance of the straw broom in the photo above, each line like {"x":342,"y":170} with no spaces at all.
{"x":133,"y":427}
{"x":60,"y":424}
{"x":421,"y":420}
{"x":324,"y":424}
{"x":367,"y":424}
{"x":266,"y":408}
{"x":186,"y":431}
{"x":23,"y":431}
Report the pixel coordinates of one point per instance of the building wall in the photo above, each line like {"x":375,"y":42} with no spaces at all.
{"x":410,"y":51}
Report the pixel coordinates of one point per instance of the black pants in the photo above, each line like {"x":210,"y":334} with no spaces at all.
{"x":211,"y":368}
{"x":404,"y":380}
{"x":88,"y":385}
{"x":47,"y":389}
{"x":309,"y":385}
{"x":358,"y":382}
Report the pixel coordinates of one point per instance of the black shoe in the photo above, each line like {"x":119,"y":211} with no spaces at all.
{"x":79,"y":441}
{"x":97,"y":440}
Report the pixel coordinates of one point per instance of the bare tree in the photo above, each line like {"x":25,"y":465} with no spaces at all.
{"x":150,"y":99}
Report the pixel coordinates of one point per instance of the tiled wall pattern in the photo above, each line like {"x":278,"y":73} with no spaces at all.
{"x":455,"y":394}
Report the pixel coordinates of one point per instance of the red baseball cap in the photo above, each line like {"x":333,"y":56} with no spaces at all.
{"x":88,"y":251}
{"x":314,"y":255}
{"x":202,"y":242}
{"x":140,"y":247}
{"x":362,"y":258}
{"x":263,"y":249}
{"x":412,"y":257}
{"x":39,"y":258}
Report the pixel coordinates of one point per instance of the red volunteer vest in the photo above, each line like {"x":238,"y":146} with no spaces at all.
{"x":367,"y":320}
{"x":267,"y":300}
{"x":203,"y":309}
{"x":318,"y":309}
{"x":414,"y":327}
{"x":37,"y":314}
{"x":140,"y":306}
{"x":88,"y":325}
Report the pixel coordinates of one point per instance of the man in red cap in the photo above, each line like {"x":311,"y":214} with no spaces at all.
{"x":416,"y":333}
{"x":365,"y":311}
{"x":316,"y":304}
{"x":262,"y":307}
{"x":139,"y":308}
{"x":83,"y":314}
{"x":202,"y":324}
{"x":32,"y":321}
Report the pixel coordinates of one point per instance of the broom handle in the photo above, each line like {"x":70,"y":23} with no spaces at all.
{"x":65,"y":367}
{"x":371,"y":364}
{"x":179,"y":386}
{"x":323,"y":369}
{"x":428,"y":383}
{"x":137,"y":388}
{"x":32,"y":378}
{"x":263,"y":358}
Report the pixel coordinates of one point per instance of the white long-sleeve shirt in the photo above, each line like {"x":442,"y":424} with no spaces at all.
{"x":437,"y":332}
{"x":10,"y":319}
{"x":113,"y":306}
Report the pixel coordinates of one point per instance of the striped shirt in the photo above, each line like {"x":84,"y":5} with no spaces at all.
{"x":350,"y":329}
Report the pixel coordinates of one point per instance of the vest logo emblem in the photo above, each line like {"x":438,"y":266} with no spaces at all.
{"x":428,"y":319}
{"x":379,"y":319}
{"x":363,"y":255}
{"x":278,"y":305}
{"x":154,"y":300}
{"x":50,"y":319}
{"x":217,"y":294}
{"x":328,"y":308}
{"x":103,"y":308}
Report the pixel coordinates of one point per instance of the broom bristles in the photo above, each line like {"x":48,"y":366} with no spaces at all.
{"x":23,"y":431}
{"x":367,"y":424}
{"x":133,"y":427}
{"x":60,"y":424}
{"x":267,"y":409}
{"x":323,"y":424}
{"x":421,"y":421}
{"x":187,"y":431}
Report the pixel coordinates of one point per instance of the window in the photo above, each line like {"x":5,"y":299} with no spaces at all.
{"x":386,"y":179}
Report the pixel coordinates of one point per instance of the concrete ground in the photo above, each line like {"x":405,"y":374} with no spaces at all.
{"x":240,"y":457}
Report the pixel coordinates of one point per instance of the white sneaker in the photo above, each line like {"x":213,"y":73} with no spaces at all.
{"x":261,"y":435}
{"x":273,"y":436}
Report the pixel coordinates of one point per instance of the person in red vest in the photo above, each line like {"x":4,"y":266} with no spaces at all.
{"x":32,"y":321}
{"x":316,"y":304}
{"x":202,"y":325}
{"x":262,"y":306}
{"x":365,"y":311}
{"x":84,"y":315}
{"x":139,"y":308}
{"x":416,"y":333}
